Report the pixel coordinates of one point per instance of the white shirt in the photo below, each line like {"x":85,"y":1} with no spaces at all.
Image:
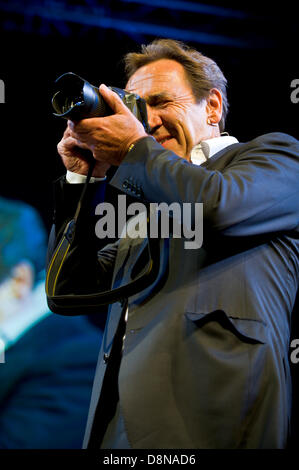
{"x":207,"y":148}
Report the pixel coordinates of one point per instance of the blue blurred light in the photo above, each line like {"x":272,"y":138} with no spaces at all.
{"x":96,"y":18}
{"x":192,"y":7}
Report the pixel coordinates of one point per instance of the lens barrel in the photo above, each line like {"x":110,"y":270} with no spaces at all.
{"x":74,"y":98}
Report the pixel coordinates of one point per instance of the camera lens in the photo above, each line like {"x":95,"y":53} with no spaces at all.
{"x":77,"y":99}
{"x":70,"y":102}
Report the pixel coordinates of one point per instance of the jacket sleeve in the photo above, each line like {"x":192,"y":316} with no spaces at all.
{"x":254,"y":191}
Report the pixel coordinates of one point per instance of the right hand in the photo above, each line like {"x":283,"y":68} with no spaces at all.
{"x":75,"y":157}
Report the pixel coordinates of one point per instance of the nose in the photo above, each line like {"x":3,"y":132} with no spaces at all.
{"x":154,"y":118}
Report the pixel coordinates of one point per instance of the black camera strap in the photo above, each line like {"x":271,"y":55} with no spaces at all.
{"x":71,"y":302}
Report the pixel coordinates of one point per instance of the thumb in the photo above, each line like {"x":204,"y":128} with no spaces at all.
{"x":112,"y":98}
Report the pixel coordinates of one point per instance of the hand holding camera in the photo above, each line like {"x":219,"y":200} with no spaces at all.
{"x":104,"y":123}
{"x":76,"y":156}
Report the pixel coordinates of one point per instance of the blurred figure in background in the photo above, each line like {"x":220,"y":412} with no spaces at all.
{"x":47,"y":362}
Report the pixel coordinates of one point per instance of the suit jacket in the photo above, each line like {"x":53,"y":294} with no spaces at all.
{"x":46,"y":384}
{"x":205,"y":355}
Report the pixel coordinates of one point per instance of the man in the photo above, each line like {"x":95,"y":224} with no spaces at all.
{"x":199,"y":359}
{"x":48,"y":362}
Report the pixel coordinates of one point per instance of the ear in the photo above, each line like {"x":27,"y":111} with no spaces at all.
{"x":214,"y":106}
{"x":22,"y":279}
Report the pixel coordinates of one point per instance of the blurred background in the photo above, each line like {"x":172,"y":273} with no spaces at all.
{"x":254,"y":44}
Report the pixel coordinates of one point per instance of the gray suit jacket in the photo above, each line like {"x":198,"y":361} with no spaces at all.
{"x":205,"y":355}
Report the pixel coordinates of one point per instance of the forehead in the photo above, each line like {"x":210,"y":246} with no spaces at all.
{"x":164,"y":75}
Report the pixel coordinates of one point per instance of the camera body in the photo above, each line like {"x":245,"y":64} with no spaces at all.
{"x":75,"y":99}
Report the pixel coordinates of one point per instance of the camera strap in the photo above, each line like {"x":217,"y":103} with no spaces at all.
{"x":72,"y":304}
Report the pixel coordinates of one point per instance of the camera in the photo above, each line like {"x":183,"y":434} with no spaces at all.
{"x":75,"y":98}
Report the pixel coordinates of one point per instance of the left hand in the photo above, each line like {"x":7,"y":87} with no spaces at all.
{"x":109,"y":137}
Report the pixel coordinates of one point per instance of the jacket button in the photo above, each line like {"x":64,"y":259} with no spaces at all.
{"x":105,"y":358}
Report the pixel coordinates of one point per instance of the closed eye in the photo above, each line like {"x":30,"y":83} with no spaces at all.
{"x":162,"y":103}
{"x":158,"y":100}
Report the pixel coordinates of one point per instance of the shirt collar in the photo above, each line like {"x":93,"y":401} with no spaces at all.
{"x":207,"y":148}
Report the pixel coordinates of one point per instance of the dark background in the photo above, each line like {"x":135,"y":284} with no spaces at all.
{"x":254,"y":44}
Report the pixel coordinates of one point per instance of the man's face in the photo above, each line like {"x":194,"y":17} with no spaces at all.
{"x":178,"y":122}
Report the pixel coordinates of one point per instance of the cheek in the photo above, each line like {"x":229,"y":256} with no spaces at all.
{"x":187,"y":131}
{"x":185,"y":125}
{"x":195,"y":123}
{"x":174,"y":120}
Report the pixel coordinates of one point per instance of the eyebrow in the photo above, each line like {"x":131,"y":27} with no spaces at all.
{"x":156,"y":97}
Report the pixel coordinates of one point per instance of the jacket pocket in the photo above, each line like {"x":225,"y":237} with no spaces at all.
{"x":247,"y":330}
